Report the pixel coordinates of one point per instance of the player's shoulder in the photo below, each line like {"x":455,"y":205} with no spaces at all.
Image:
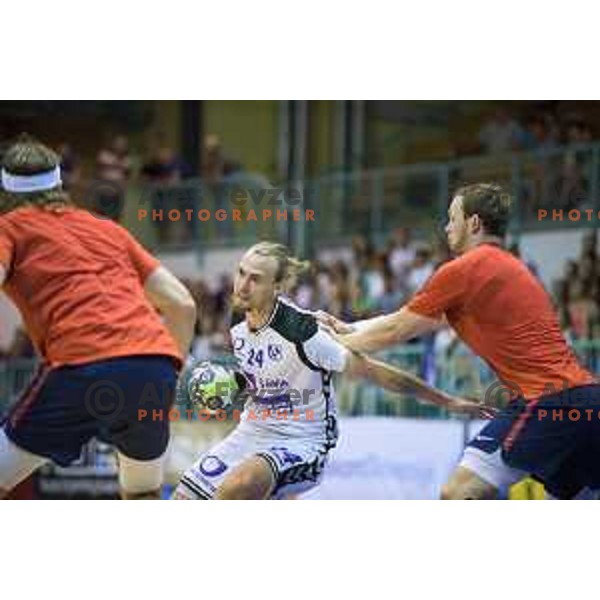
{"x":237,"y":322}
{"x":99,"y":222}
{"x":492,"y":259}
{"x":6,"y":222}
{"x":292,"y":322}
{"x":32,"y":220}
{"x":484,"y":253}
{"x":20,"y":216}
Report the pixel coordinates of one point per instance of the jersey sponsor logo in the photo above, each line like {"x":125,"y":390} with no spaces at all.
{"x":274,"y":384}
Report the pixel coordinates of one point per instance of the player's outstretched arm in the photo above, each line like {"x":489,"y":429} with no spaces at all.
{"x":175,"y":303}
{"x":400,"y":381}
{"x":381,"y":332}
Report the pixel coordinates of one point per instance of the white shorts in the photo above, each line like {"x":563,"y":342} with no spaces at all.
{"x":491,"y":468}
{"x":297,"y":465}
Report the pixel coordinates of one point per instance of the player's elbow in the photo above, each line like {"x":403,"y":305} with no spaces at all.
{"x":180,"y":308}
{"x":169,"y":296}
{"x":185,"y":309}
{"x":408,"y":325}
{"x":356,"y":366}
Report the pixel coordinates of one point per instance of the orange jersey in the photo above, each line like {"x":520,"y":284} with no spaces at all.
{"x":500,"y":310}
{"x":78,"y":282}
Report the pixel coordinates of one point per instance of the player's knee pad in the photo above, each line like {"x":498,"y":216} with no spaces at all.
{"x":16,"y":464}
{"x":139,"y":477}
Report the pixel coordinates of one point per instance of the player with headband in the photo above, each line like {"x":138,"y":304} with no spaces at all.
{"x":89,"y":296}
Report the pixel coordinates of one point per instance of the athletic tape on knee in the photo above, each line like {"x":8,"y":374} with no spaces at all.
{"x":140,"y":476}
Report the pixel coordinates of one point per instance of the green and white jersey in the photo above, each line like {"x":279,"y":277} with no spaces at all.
{"x":289,"y":362}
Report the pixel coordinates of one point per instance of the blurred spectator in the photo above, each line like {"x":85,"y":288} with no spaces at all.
{"x":561,"y":298}
{"x":401,"y":253}
{"x":223,"y":293}
{"x":372,"y":281}
{"x":583,"y":310}
{"x":572,"y":185}
{"x":515,"y":250}
{"x":577,"y":293}
{"x":589,"y":246}
{"x":442,"y":253}
{"x":212,"y":333}
{"x":162,"y":165}
{"x":540,"y":187}
{"x":215,"y":169}
{"x":325,"y":288}
{"x":538,"y":134}
{"x":571,"y":274}
{"x":342,"y":292}
{"x":304,"y":295}
{"x":422,"y":269}
{"x":164,"y":170}
{"x":502,"y":133}
{"x":587,"y":269}
{"x":69,"y":165}
{"x":113,"y":163}
{"x":113,"y":168}
{"x":392,"y":298}
{"x":215,"y":164}
{"x":578,"y":131}
{"x":361,"y":251}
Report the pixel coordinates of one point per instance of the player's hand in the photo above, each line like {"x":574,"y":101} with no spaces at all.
{"x":471,"y":408}
{"x":333,"y":323}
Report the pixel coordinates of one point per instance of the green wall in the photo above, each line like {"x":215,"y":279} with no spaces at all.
{"x":248,"y":130}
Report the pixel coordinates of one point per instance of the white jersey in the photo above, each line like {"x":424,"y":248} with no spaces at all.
{"x":289,"y":363}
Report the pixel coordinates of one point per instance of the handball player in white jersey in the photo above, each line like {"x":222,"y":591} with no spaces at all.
{"x":288,"y":362}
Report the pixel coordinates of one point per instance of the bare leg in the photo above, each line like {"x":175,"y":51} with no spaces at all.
{"x":466,"y":485}
{"x":253,"y":479}
{"x":152,"y":495}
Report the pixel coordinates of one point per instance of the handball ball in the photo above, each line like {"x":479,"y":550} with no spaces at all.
{"x":213,"y":387}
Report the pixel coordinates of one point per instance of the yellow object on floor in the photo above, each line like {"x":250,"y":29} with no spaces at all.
{"x":527,"y":489}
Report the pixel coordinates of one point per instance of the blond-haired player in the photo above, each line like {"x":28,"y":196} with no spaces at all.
{"x":282,"y":350}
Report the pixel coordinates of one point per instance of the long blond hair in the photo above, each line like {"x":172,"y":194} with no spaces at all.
{"x":289,"y":267}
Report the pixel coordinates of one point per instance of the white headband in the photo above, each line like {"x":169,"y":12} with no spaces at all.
{"x":31,"y":183}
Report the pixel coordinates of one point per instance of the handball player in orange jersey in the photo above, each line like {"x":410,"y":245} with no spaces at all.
{"x":551,"y":427}
{"x":89,"y":296}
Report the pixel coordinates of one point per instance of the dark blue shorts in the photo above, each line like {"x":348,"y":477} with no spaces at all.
{"x":556,"y":439}
{"x":64,"y":407}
